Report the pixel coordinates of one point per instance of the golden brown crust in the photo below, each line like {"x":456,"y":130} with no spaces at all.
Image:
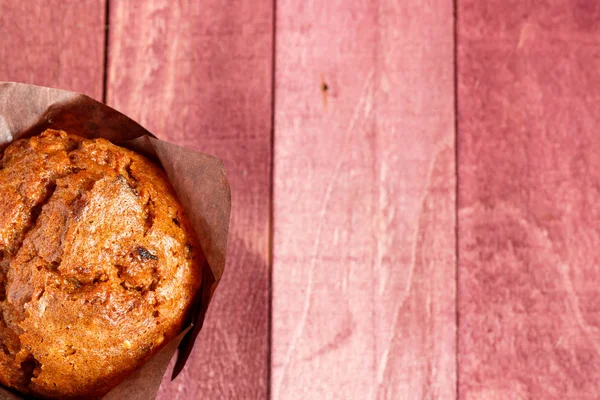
{"x":97,"y":265}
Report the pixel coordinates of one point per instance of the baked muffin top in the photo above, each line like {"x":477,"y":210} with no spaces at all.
{"x":98,"y":264}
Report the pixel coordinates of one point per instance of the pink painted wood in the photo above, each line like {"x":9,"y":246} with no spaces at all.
{"x":529,"y":92}
{"x":52,"y":43}
{"x":364,"y":241}
{"x":200,"y":74}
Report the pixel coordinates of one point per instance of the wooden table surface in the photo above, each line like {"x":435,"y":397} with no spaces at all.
{"x":414,"y":182}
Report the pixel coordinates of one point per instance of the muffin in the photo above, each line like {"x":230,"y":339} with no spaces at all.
{"x":98,"y":265}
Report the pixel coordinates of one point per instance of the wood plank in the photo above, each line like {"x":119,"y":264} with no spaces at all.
{"x":53,"y":43}
{"x":364,"y":208}
{"x":529,"y":172}
{"x":200,"y":74}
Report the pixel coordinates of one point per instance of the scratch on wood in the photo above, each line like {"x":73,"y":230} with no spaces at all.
{"x":338,"y":341}
{"x":417,"y":244}
{"x":524,"y":34}
{"x":574,"y":302}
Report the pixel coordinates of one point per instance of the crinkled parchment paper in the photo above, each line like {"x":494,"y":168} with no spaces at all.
{"x":199,"y":180}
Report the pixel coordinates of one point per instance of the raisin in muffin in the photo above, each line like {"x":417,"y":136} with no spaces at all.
{"x":97,"y":265}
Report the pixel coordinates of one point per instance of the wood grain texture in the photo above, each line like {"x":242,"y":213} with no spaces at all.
{"x":529,"y":173}
{"x":200,"y":74}
{"x":364,"y":201}
{"x":53,"y":43}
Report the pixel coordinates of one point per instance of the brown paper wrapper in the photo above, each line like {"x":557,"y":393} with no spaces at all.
{"x":199,"y":180}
